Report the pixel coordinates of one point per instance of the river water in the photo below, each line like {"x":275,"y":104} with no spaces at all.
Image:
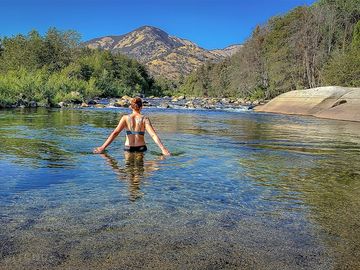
{"x":243,"y":190}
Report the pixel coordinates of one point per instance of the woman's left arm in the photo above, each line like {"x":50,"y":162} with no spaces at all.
{"x":112,"y":136}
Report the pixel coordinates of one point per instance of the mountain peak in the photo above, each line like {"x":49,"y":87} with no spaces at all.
{"x":163,"y":54}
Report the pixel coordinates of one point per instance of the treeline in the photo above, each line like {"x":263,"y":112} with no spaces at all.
{"x":55,"y":67}
{"x":308,"y":47}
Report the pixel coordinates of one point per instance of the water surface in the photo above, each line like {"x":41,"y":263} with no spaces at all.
{"x":243,"y":190}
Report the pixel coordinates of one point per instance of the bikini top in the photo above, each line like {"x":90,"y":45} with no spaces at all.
{"x":133,"y":132}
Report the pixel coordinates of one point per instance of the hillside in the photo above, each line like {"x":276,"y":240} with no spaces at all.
{"x":304,"y":48}
{"x":163,"y":54}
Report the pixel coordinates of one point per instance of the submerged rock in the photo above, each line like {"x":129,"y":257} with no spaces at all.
{"x":342,"y":103}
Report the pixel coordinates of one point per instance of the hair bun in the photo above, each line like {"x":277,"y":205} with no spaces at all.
{"x":136,"y":103}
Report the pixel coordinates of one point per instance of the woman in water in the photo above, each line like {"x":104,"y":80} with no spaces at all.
{"x":135,"y":125}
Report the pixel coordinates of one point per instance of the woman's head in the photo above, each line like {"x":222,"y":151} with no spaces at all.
{"x":136,"y":104}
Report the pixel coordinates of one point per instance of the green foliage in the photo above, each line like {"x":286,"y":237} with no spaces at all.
{"x":355,"y":43}
{"x":53,"y":68}
{"x":305,"y":48}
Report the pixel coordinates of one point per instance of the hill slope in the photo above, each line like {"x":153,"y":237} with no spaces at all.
{"x":163,"y":54}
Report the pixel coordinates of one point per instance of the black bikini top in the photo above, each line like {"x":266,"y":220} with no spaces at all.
{"x":133,"y":132}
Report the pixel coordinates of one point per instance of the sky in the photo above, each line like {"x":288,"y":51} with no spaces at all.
{"x":209,"y":23}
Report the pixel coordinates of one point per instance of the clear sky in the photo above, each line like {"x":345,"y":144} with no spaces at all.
{"x":209,"y":23}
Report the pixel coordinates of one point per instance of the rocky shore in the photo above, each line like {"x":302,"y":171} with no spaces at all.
{"x":175,"y":102}
{"x":333,"y":102}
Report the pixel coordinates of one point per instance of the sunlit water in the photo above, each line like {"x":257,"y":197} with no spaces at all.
{"x":243,"y":190}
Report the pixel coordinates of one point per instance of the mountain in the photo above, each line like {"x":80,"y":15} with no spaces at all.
{"x":163,"y":54}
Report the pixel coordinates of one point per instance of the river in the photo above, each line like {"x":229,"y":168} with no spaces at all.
{"x":243,"y":190}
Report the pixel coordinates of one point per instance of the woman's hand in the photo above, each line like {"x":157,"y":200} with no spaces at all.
{"x":165,"y":152}
{"x":99,"y":150}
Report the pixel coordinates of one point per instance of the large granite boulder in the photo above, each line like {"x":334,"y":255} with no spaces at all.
{"x":333,"y":102}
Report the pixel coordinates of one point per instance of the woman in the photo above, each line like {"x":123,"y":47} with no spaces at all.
{"x":135,"y":125}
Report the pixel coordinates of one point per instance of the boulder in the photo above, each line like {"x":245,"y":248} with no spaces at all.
{"x":100,"y":106}
{"x":332,"y":102}
{"x":84,"y":105}
{"x":121,"y":103}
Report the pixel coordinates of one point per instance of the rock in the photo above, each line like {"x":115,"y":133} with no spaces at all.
{"x":100,"y":106}
{"x":146,"y":103}
{"x":190,"y":105}
{"x":240,"y":101}
{"x":33,"y":104}
{"x":151,"y":97}
{"x":256,"y":102}
{"x":164,"y":105}
{"x":174,"y":100}
{"x":333,"y":102}
{"x":121,"y":103}
{"x":92,"y":102}
{"x":126,"y":98}
{"x":45,"y":104}
{"x":75,"y":97}
{"x":84,"y":105}
{"x":62,"y":104}
{"x":224,"y":100}
{"x":181,"y":97}
{"x":212,"y":101}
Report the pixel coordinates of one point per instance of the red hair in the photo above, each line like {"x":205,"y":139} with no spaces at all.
{"x":136,"y":103}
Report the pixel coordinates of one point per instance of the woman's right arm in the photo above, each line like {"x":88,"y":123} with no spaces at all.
{"x":149,"y":128}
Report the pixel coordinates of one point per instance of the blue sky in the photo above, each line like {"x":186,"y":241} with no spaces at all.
{"x":209,"y":23}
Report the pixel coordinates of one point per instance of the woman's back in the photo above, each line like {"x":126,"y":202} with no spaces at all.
{"x":135,"y":130}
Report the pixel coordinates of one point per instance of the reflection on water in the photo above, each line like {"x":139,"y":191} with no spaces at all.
{"x":244,"y":191}
{"x":133,"y":171}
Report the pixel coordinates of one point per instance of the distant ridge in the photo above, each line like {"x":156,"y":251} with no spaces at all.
{"x":163,"y":54}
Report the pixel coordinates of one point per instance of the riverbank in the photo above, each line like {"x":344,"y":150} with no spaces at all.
{"x":332,"y":102}
{"x":175,"y":102}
